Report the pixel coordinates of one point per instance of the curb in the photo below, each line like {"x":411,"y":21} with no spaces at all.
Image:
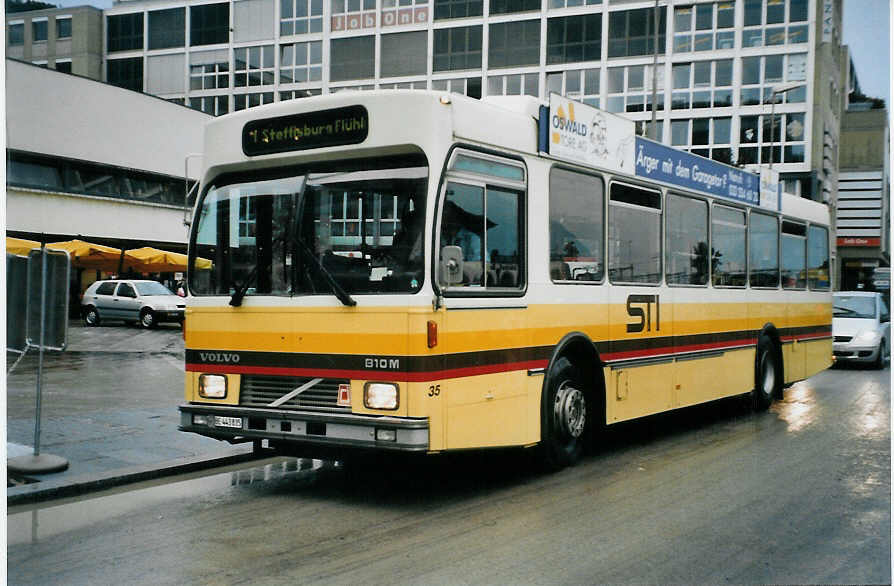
{"x":47,"y":490}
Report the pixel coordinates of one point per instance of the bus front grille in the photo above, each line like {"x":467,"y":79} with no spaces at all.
{"x":263,"y":390}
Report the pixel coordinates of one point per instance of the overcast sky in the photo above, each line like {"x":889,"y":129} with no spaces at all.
{"x":867,"y":32}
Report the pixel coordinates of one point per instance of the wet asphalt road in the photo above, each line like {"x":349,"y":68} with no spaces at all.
{"x":709,"y":495}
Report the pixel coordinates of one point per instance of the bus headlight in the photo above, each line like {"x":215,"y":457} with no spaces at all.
{"x":212,"y":386}
{"x":380,"y":396}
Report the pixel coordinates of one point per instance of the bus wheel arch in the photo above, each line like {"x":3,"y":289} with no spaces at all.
{"x":769,"y":373}
{"x":572,"y":401}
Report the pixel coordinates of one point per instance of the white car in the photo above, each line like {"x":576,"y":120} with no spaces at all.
{"x":861,"y":325}
{"x":134,"y":301}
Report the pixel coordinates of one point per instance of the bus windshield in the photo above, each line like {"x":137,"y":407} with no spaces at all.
{"x":354,"y":227}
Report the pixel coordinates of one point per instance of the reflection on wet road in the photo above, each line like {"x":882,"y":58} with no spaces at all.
{"x":714,"y":494}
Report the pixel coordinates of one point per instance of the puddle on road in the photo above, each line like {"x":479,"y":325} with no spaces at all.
{"x":40,"y":521}
{"x":798,"y":409}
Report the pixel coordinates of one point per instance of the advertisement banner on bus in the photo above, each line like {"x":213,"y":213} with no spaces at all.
{"x":582,"y":133}
{"x":663,"y":163}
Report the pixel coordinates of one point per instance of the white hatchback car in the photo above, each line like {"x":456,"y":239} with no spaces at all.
{"x":134,"y":301}
{"x":861,"y":325}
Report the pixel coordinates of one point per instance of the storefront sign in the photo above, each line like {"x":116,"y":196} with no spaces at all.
{"x":858,"y":241}
{"x":662,"y":163}
{"x":404,"y":16}
{"x":353,"y":21}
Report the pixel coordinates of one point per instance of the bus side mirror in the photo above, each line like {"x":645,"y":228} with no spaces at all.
{"x":451,"y":265}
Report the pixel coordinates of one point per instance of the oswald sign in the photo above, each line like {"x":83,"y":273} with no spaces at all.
{"x":662,"y":163}
{"x":578,"y":132}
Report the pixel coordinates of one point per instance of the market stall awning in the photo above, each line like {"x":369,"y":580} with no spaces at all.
{"x":86,"y":255}
{"x":153,"y":260}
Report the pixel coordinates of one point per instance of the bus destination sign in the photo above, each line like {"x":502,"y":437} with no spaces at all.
{"x":310,"y":130}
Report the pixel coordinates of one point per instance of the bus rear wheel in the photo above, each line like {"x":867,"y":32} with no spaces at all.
{"x":566,"y":417}
{"x":767,"y":381}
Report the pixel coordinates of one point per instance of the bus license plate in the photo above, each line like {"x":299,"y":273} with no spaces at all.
{"x":227,"y":421}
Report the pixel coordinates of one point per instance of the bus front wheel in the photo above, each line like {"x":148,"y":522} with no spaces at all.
{"x":767,"y":381}
{"x":566,"y":416}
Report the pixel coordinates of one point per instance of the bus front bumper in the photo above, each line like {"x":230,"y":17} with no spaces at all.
{"x":306,"y":428}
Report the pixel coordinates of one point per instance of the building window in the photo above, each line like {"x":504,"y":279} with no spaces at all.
{"x":774,"y":22}
{"x":630,"y":88}
{"x":209,"y":70}
{"x":16,"y":33}
{"x":63,"y":27}
{"x":508,"y":6}
{"x":520,"y":84}
{"x":781,"y":138}
{"x":632,"y":32}
{"x":456,"y":8}
{"x":571,"y":39}
{"x":300,"y":16}
{"x":514,"y":43}
{"x":209,"y":24}
{"x":353,"y":14}
{"x":214,"y":105}
{"x":253,"y":66}
{"x":298,"y":94}
{"x":125,"y":32}
{"x":457,"y":48}
{"x":704,"y":27}
{"x":404,"y":54}
{"x":39,"y":30}
{"x":167,"y":28}
{"x":761,"y":74}
{"x":570,"y":3}
{"x":469,"y":86}
{"x":405,"y":85}
{"x":164,"y":74}
{"x":243,"y":101}
{"x":63,"y":66}
{"x":352,"y":58}
{"x":301,"y":62}
{"x":126,"y":73}
{"x":707,"y":137}
{"x":579,"y":84}
{"x":702,"y":84}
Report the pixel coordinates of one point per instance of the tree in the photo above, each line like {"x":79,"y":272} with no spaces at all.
{"x":13,"y":6}
{"x":858,"y":97}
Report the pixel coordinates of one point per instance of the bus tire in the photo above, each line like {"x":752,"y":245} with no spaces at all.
{"x":91,"y":316}
{"x":566,"y":416}
{"x":767,"y":379}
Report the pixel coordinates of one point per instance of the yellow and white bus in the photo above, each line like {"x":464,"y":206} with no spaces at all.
{"x":423,"y":272}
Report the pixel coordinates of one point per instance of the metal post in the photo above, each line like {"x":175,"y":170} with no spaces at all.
{"x":772,"y":124}
{"x":43,"y":314}
{"x":653,"y":128}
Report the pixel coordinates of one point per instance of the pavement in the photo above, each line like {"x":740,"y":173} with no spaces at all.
{"x":108,"y":406}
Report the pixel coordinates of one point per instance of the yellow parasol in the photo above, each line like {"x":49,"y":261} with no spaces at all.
{"x":90,"y":256}
{"x":20,"y":245}
{"x":153,"y":260}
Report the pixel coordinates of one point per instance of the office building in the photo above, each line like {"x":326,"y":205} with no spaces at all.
{"x":65,"y":39}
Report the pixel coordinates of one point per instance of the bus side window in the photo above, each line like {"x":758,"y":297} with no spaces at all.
{"x":818,"y":258}
{"x":576,"y":214}
{"x":486,"y":224}
{"x":686,"y":246}
{"x":728,"y":237}
{"x":763,"y":241}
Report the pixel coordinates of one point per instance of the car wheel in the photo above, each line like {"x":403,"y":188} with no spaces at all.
{"x":767,"y":383}
{"x":91,"y":316}
{"x":147,"y":318}
{"x":880,"y":359}
{"x":566,"y":416}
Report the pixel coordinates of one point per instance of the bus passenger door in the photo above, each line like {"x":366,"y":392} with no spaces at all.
{"x":482,"y":275}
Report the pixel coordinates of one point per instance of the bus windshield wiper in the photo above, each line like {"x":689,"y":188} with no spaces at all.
{"x":239,"y":293}
{"x":337,"y":289}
